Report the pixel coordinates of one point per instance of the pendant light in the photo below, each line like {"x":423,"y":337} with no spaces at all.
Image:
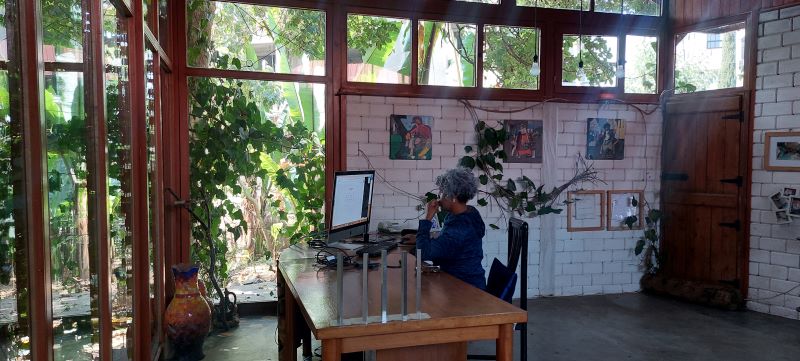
{"x":581,"y":73}
{"x":536,"y":69}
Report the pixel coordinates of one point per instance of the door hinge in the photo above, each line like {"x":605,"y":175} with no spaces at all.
{"x":737,"y":225}
{"x":738,"y":181}
{"x":674,"y":176}
{"x":738,"y":116}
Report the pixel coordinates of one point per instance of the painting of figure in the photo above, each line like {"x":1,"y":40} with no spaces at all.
{"x":524,"y":142}
{"x":410,"y":137}
{"x":605,"y":139}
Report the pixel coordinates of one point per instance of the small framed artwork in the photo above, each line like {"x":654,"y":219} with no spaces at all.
{"x":778,"y":201}
{"x":585,"y":211}
{"x":524,"y":143}
{"x":783,"y":217}
{"x":790,"y":192}
{"x":624,"y":204}
{"x":794,"y":207}
{"x":410,"y":137}
{"x":605,"y":139}
{"x":782,"y":151}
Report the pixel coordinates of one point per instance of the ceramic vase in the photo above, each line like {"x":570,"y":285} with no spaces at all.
{"x":188,"y":317}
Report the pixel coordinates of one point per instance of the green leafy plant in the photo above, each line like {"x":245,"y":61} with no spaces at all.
{"x":648,"y":245}
{"x":521,"y":196}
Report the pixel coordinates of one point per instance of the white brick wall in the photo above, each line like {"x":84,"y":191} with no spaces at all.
{"x":774,"y":249}
{"x":584,"y":262}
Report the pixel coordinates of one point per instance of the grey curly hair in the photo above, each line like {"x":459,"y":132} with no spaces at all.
{"x":458,"y":183}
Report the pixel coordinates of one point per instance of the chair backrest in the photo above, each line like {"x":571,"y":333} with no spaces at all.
{"x":502,"y":281}
{"x":517,"y":239}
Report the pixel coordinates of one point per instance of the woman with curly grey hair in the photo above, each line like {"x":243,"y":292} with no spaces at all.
{"x":459,"y":247}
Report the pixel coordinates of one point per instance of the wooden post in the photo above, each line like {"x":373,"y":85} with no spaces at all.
{"x":331,"y":350}
{"x":505,"y":341}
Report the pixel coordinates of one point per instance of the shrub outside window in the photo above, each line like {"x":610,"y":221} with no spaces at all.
{"x":378,"y":49}
{"x":641,"y":64}
{"x":508,"y":56}
{"x":447,"y":53}
{"x":699,"y":68}
{"x":599,"y":55}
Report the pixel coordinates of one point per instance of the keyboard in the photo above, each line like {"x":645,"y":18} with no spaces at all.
{"x":374,"y":249}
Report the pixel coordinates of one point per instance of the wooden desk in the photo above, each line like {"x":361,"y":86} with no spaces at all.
{"x":458,"y":313}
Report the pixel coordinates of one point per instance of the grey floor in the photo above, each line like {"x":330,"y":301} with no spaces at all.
{"x":612,"y":327}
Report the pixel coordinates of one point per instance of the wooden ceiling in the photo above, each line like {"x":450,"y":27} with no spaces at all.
{"x":690,"y":12}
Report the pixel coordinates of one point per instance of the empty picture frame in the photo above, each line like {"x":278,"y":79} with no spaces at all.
{"x":623,"y":204}
{"x":585,"y":211}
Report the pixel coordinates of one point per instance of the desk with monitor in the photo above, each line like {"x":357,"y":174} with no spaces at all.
{"x":455,"y":312}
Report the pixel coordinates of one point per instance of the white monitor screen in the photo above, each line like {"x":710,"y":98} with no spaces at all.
{"x":352,"y":199}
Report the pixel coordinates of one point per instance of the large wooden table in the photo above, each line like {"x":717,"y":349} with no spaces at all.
{"x":457,"y":313}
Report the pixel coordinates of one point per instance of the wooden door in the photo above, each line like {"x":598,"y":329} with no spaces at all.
{"x":704,"y":192}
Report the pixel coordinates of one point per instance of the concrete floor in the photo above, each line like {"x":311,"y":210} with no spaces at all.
{"x":611,"y":327}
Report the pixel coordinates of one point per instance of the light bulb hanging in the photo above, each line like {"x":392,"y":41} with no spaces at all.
{"x":580,"y":74}
{"x":536,"y":69}
{"x":621,"y":70}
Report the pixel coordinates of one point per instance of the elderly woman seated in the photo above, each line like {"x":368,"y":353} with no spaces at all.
{"x":459,"y":247}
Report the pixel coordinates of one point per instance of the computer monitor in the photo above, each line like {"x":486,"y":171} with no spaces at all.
{"x":352,"y":204}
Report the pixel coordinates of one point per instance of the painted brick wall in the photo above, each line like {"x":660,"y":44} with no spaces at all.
{"x":560,"y":262}
{"x":774,"y":249}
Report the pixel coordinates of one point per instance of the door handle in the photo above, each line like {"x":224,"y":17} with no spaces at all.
{"x":735,"y":224}
{"x":738,"y":181}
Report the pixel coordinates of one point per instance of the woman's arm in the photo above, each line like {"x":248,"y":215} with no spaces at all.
{"x":442,"y":247}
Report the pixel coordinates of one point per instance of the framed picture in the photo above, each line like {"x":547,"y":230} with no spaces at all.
{"x":794,"y":207}
{"x":778,"y":201}
{"x":410,"y":137}
{"x":783,"y":217}
{"x":605,"y":139}
{"x":624,"y":204}
{"x":790,"y":192}
{"x":524,"y":143}
{"x":782,"y":151}
{"x":585,"y":211}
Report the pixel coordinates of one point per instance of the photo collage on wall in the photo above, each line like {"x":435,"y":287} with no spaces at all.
{"x":786,"y":205}
{"x":410,"y":137}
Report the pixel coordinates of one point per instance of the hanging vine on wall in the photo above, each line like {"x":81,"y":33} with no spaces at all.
{"x":521,"y":196}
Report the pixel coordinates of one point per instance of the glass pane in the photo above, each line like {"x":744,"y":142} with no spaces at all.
{"x":14,"y":316}
{"x":146,"y":9}
{"x":378,"y":49}
{"x":163,"y":24}
{"x":74,"y":332}
{"x":227,"y":35}
{"x":152,"y":114}
{"x":634,"y":7}
{"x":508,"y":55}
{"x":447,"y":53}
{"x":119,"y":180}
{"x":257,"y":151}
{"x":641,"y":64}
{"x":62,"y":31}
{"x":709,"y":60}
{"x":556,"y":4}
{"x":599,"y":54}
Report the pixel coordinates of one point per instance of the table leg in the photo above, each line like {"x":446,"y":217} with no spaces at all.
{"x":505,"y":342}
{"x":331,"y":350}
{"x":287,"y":348}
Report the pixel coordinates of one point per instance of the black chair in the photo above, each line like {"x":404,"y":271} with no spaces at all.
{"x":502,"y":280}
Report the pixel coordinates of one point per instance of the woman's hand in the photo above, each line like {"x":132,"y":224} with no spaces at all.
{"x":433,"y":207}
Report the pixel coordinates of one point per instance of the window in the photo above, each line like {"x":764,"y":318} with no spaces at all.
{"x":699,"y":68}
{"x":556,"y":4}
{"x":599,"y":56}
{"x":119,"y":177}
{"x":378,"y":49}
{"x":447,"y":53}
{"x":641,"y":64}
{"x":632,"y":7}
{"x":257,"y":151}
{"x":508,"y":56}
{"x":713,"y":41}
{"x":235,"y":36}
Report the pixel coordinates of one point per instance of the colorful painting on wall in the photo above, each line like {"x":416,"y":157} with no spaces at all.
{"x":524,"y":143}
{"x":605,"y":139}
{"x":410,"y":137}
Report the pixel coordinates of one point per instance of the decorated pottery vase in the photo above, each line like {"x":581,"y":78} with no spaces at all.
{"x":188,"y":317}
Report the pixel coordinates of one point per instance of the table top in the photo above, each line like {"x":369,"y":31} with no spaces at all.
{"x":450,"y":302}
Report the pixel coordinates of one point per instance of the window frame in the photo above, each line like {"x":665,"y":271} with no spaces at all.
{"x":750,"y":22}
